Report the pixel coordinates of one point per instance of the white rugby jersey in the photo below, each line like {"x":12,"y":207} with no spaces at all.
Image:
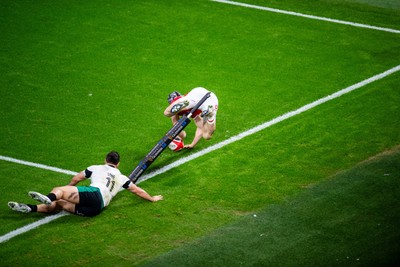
{"x":196,"y":94}
{"x":108,"y":179}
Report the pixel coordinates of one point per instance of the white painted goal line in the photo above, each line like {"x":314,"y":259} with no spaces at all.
{"x":207,"y":150}
{"x":354,"y":24}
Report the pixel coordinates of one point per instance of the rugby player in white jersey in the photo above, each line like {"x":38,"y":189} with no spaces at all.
{"x":106,"y":182}
{"x":205,"y":117}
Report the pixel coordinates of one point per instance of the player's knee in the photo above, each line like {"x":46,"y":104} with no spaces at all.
{"x":58,"y":191}
{"x":182,"y":135}
{"x":47,"y":209}
{"x":65,"y":205}
{"x":208,"y":135}
{"x":208,"y":131}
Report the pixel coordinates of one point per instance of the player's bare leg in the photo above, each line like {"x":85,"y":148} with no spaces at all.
{"x":182,"y":135}
{"x":208,"y":130}
{"x":49,"y":209}
{"x":68,"y":193}
{"x":65,"y":205}
{"x":43,"y":208}
{"x":209,"y":122}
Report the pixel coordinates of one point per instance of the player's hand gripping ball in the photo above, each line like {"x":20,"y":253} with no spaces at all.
{"x":176,"y":145}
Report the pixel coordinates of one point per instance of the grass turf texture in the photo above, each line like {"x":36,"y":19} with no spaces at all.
{"x":79,"y":79}
{"x":351,"y":219}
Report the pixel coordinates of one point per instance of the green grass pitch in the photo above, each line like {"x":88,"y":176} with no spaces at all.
{"x":79,"y":79}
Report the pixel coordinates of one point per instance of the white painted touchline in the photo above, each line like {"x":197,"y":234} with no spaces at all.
{"x":268,"y":124}
{"x":45,"y":220}
{"x":256,"y":129}
{"x":354,"y":24}
{"x":214,"y":147}
{"x":37,"y":165}
{"x":32,"y":226}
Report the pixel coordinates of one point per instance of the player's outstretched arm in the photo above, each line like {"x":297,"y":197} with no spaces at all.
{"x":143,"y":194}
{"x":199,"y":132}
{"x":77,"y":178}
{"x":196,"y":139}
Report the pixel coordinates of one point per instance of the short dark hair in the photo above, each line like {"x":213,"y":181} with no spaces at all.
{"x":113,"y":157}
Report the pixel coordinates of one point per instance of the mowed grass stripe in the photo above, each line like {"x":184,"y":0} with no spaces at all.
{"x":350,"y":219}
{"x":179,"y":162}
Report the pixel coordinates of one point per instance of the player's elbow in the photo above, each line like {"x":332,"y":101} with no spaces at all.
{"x":135,"y":190}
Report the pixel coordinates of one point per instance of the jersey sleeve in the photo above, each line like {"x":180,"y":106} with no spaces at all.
{"x":127,"y":182}
{"x":88,"y":172}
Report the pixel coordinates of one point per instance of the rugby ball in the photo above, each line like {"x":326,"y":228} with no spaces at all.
{"x":176,"y":145}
